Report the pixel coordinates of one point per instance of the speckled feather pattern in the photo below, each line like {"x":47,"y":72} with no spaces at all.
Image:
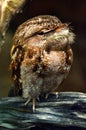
{"x":41,"y":56}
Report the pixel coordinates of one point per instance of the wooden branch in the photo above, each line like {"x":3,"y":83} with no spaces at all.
{"x":64,"y":110}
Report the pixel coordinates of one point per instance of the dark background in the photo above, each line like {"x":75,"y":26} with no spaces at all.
{"x":73,"y":11}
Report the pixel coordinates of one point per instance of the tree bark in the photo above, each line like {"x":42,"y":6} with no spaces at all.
{"x":65,"y":110}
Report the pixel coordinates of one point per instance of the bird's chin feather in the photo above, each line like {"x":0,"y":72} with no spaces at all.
{"x":71,"y":37}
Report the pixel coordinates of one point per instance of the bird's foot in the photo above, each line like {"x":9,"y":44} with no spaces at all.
{"x":54,"y":93}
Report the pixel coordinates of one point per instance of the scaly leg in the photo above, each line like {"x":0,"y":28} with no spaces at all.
{"x":34,"y":103}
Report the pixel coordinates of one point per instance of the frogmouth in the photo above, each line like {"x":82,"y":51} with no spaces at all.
{"x":41,"y":56}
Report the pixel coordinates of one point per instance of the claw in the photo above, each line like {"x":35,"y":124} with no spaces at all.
{"x":55,"y":93}
{"x":26,"y":103}
{"x":46,"y":96}
{"x":38,"y":98}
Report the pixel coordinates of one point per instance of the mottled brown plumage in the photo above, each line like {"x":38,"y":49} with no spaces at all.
{"x":41,"y":56}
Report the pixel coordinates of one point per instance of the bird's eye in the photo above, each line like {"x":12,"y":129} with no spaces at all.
{"x":40,"y":33}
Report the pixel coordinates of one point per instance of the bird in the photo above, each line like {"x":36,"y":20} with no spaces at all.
{"x":41,"y":56}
